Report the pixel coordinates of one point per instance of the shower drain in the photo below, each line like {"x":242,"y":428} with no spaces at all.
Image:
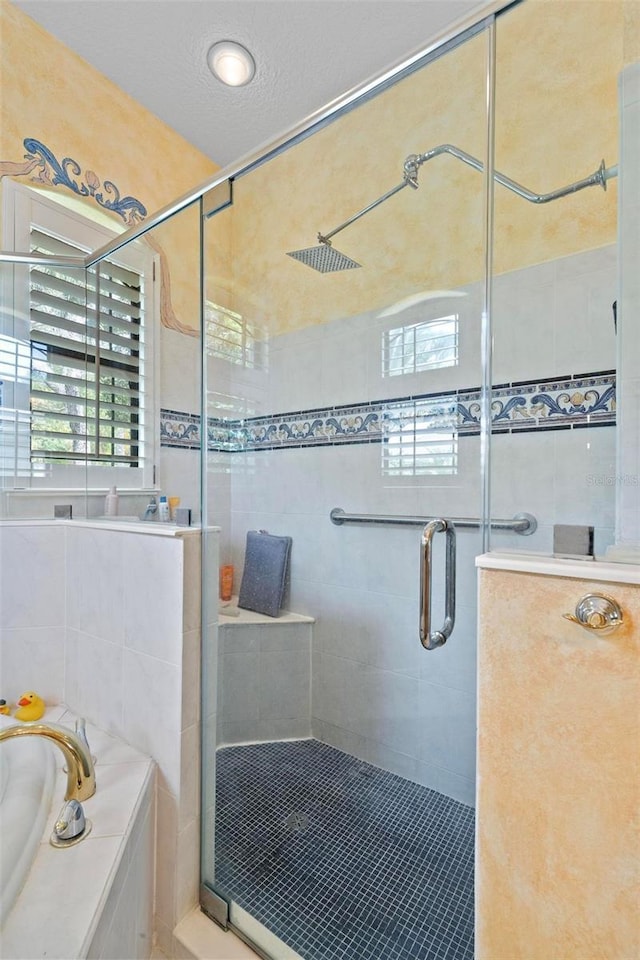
{"x":297,"y":822}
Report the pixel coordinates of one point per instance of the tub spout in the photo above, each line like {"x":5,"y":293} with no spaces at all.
{"x":81,"y":779}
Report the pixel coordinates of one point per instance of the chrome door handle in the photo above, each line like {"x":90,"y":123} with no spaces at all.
{"x":428,"y":639}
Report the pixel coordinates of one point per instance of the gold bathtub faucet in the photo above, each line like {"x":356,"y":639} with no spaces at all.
{"x":81,"y":779}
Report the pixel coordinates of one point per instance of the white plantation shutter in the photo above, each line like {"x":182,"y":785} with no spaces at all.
{"x":420,"y":437}
{"x":15,"y":420}
{"x":87,"y":340}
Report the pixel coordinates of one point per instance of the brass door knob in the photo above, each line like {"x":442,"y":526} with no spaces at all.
{"x":596,"y":612}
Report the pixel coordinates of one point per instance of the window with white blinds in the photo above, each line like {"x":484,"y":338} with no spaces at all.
{"x":232,"y":338}
{"x":77,"y":362}
{"x":87,"y":341}
{"x":420,"y":438}
{"x":427,"y":345}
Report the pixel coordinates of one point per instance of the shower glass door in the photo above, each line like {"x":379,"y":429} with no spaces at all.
{"x":566,"y":351}
{"x":339,"y":754}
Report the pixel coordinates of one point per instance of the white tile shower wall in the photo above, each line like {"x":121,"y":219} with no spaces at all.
{"x":218,"y":493}
{"x":370,"y":676}
{"x":32,"y":608}
{"x":341,"y":362}
{"x":555,"y":318}
{"x":179,"y":476}
{"x":627,"y":474}
{"x":132,"y":666}
{"x":124,"y":599}
{"x":549,"y":320}
{"x":32,"y":658}
{"x":179,"y":370}
{"x":556,"y":476}
{"x":227,"y":399}
{"x":178,"y":473}
{"x":376,"y":692}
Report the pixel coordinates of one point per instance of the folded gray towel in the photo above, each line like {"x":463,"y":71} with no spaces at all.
{"x":266,"y":564}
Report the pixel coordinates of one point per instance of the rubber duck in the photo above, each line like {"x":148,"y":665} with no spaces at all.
{"x":4,"y":708}
{"x":30,"y":706}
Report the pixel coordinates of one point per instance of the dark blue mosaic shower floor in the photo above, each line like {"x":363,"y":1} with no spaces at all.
{"x":341,"y":859}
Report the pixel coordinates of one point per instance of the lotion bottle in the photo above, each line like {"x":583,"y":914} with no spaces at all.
{"x":163,"y":510}
{"x":226,"y":581}
{"x":111,"y":503}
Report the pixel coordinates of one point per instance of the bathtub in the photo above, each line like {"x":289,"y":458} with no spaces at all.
{"x":27,"y":773}
{"x":92,"y":900}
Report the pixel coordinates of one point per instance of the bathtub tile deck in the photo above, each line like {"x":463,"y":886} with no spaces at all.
{"x":342,"y":860}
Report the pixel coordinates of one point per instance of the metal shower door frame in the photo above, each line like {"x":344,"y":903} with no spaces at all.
{"x":216,"y":906}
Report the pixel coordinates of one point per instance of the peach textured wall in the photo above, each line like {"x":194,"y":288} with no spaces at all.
{"x":557,"y":68}
{"x":558,"y":784}
{"x":51,"y":94}
{"x":556,"y":118}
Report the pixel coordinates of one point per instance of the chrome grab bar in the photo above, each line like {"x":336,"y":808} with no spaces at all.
{"x":429,"y":640}
{"x":523,"y":523}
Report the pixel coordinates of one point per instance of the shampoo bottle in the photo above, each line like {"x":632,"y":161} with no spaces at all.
{"x":163,"y":510}
{"x":111,"y":503}
{"x":226,"y":581}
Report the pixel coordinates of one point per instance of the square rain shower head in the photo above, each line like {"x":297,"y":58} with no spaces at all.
{"x":324,"y":258}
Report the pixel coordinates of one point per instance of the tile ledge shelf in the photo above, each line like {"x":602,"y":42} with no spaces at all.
{"x":152,"y":528}
{"x":554,"y":567}
{"x":240,"y":617}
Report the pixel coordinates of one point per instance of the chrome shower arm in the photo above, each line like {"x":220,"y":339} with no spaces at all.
{"x":599,"y":177}
{"x":415,"y":160}
{"x":407,"y":182}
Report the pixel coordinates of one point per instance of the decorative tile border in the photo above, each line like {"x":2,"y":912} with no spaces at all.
{"x":584,"y":400}
{"x":180,"y":430}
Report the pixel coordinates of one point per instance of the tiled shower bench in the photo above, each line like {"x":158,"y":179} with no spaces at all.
{"x":264,"y":676}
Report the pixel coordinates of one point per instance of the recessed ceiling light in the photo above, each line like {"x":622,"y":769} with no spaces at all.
{"x":231,"y":63}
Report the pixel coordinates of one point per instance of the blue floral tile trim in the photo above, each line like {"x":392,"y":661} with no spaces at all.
{"x":562,"y":403}
{"x":326,"y":426}
{"x":570,"y":401}
{"x":179,"y":430}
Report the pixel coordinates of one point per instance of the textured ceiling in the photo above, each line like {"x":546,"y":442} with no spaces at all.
{"x":307,"y":53}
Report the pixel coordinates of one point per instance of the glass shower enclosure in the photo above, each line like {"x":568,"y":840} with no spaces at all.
{"x":342,"y":388}
{"x":383,"y":296}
